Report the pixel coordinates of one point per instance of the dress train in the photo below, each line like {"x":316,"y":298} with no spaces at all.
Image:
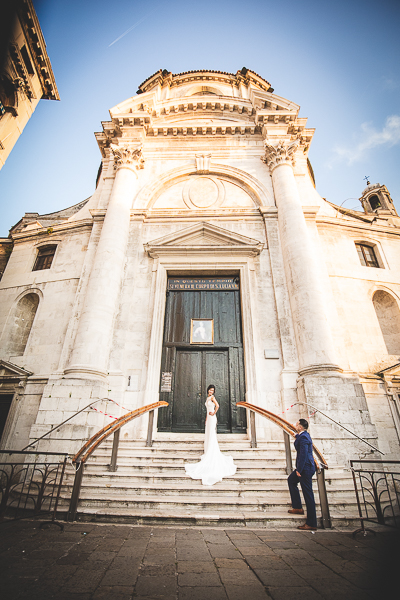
{"x":213,"y":465}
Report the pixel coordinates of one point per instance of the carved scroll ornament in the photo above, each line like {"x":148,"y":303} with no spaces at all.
{"x":280,"y":154}
{"x":128,"y":156}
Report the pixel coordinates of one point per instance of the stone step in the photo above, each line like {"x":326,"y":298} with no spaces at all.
{"x":224,"y":445}
{"x":189,"y":437}
{"x":179,"y":462}
{"x":158,"y":463}
{"x":192,"y":503}
{"x":173,"y":473}
{"x":191,"y":452}
{"x":150,"y":484}
{"x":174,"y":485}
{"x":240,"y":518}
{"x":153,"y":465}
{"x":232,"y":490}
{"x":133,"y":466}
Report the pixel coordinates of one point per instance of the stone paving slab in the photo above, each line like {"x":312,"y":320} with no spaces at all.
{"x":119,"y":562}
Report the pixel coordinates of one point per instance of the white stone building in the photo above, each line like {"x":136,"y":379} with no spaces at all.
{"x":205,"y":209}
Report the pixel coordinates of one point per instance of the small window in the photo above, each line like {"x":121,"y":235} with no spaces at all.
{"x":375,"y":202}
{"x":44,"y":258}
{"x":367,"y":255}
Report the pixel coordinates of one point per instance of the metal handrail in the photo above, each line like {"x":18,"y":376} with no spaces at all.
{"x":339,"y":425}
{"x":283,"y":424}
{"x":104,"y":433}
{"x":66,"y":421}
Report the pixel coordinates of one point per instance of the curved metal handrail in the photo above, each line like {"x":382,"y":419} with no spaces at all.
{"x":99,"y":437}
{"x":283,"y":424}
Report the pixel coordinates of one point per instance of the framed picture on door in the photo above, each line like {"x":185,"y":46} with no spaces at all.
{"x":201,"y":331}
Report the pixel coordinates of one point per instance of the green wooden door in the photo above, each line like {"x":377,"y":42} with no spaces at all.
{"x":195,"y":366}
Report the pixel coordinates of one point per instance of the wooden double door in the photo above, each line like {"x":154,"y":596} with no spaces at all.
{"x":192,"y":367}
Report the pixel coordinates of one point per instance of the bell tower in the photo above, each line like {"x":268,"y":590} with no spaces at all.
{"x":376,"y":200}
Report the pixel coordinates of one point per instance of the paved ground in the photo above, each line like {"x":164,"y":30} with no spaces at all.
{"x":120,"y":562}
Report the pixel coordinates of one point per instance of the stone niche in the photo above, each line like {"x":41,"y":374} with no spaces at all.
{"x":203,"y":192}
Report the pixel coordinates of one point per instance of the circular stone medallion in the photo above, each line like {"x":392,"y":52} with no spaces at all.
{"x":203,"y":192}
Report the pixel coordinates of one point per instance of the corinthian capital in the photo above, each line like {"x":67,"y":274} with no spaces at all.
{"x":126,"y":155}
{"x":279,"y":154}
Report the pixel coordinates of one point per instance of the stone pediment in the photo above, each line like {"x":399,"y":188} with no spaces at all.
{"x":201,"y":238}
{"x":389,"y":372}
{"x":10,"y":371}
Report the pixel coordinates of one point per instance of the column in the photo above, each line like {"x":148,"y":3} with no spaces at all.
{"x":313,"y":335}
{"x":89,"y":357}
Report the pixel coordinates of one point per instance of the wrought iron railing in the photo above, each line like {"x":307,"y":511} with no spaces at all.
{"x":31,"y":486}
{"x":377,"y":487}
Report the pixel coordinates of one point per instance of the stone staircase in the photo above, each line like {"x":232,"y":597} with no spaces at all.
{"x":151,"y":486}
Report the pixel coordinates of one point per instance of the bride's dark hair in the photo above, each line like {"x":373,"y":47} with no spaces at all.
{"x":211,"y":386}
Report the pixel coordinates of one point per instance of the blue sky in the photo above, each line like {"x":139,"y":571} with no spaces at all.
{"x":338,"y":60}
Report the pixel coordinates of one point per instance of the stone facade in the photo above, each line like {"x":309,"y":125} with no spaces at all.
{"x":206,"y":173}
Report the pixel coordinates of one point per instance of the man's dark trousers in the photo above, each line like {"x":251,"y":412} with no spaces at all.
{"x":306,"y":487}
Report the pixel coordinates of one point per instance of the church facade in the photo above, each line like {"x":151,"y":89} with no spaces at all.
{"x":205,"y":255}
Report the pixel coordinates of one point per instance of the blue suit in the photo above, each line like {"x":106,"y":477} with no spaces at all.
{"x":305,"y":465}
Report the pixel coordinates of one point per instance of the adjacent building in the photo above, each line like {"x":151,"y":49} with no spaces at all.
{"x":26,"y":75}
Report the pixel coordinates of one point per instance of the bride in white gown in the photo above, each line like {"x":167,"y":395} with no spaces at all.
{"x":213,"y":465}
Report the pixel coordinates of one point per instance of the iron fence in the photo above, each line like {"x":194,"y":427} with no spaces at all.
{"x":30,"y":484}
{"x":377,"y":488}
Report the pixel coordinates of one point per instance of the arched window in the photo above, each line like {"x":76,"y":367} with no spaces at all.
{"x":22,"y":323}
{"x":388,"y":314}
{"x":375,"y":202}
{"x":44,"y":258}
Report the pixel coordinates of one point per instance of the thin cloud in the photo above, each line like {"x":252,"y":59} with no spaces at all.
{"x":371,"y":138}
{"x":390,"y":83}
{"x":130,"y":29}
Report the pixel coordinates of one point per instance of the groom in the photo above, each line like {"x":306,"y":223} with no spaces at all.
{"x":305,"y":469}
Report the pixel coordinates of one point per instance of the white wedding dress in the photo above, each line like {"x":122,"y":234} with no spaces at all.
{"x":213,"y":465}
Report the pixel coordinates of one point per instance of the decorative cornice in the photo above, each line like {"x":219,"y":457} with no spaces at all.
{"x":37,"y":47}
{"x":21,"y":236}
{"x":246,"y":76}
{"x":126,"y":155}
{"x":279,"y":154}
